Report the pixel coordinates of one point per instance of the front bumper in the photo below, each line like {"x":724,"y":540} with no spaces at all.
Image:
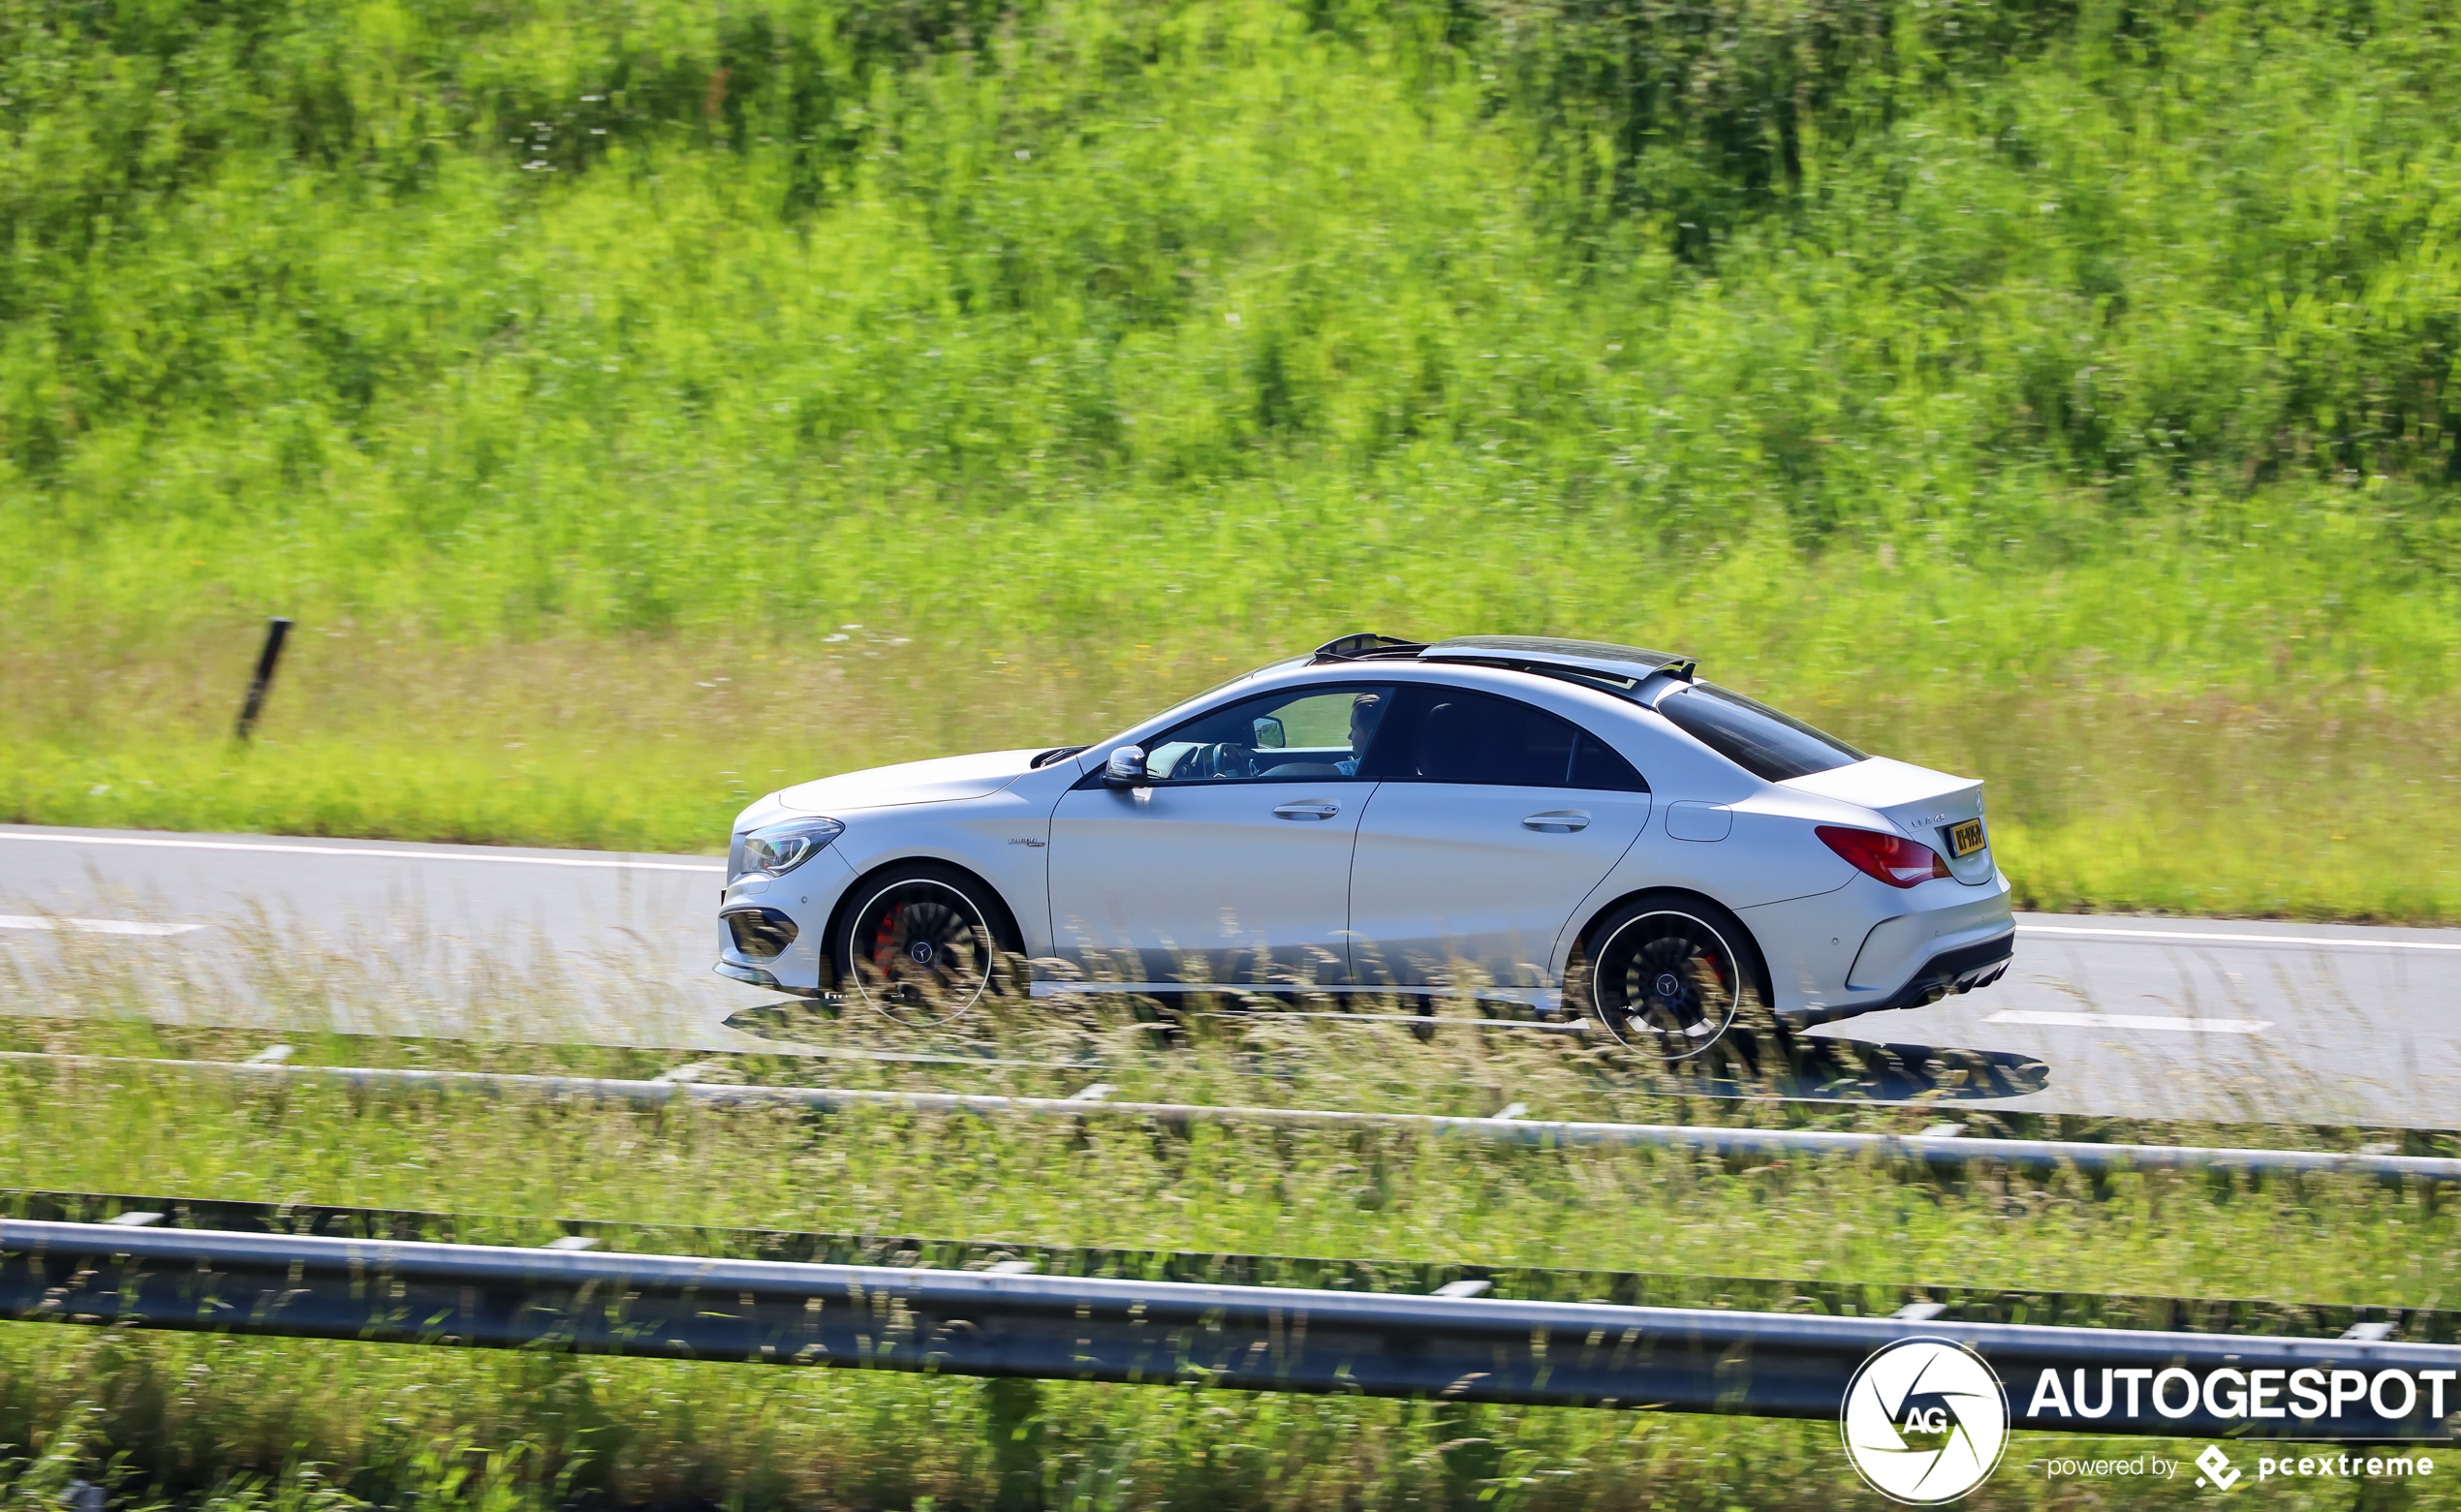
{"x":759,"y":934}
{"x":758,"y":977}
{"x":770,"y":928}
{"x":1959,"y":970}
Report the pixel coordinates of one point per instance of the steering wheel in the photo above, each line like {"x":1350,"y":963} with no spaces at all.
{"x":1220,"y":759}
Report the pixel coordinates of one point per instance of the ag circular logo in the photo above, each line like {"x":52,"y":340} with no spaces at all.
{"x":1925,"y":1421}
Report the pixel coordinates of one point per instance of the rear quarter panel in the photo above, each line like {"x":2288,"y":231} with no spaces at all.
{"x":1769,"y":855}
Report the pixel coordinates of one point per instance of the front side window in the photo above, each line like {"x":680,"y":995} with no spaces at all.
{"x":1478,"y":738}
{"x":1316,"y":733}
{"x":1770,"y":745}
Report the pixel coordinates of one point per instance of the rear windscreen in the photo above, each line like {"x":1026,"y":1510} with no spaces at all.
{"x":1768,"y":744}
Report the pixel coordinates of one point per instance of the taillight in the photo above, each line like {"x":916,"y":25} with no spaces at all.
{"x":1892,"y":858}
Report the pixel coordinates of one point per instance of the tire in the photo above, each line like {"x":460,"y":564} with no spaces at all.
{"x":1669,"y":975}
{"x":921,"y":944}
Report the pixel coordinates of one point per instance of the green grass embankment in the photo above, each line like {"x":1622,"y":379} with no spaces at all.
{"x":2057,"y":393}
{"x":185,"y":1419}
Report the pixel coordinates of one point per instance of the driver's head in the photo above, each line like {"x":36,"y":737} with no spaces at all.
{"x":1366,"y":712}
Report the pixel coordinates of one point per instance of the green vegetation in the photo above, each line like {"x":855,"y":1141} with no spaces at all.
{"x":186,"y":1418}
{"x":194,"y":1421}
{"x":642,"y":404}
{"x":2009,"y":385}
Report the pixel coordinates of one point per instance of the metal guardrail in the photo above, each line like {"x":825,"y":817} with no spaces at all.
{"x":1268,"y":1338}
{"x":1825,"y":1296}
{"x":1934,"y":1150}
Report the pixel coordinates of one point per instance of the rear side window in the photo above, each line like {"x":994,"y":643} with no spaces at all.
{"x":1770,"y":745}
{"x":1478,"y":738}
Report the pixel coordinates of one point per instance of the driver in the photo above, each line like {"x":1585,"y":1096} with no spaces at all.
{"x":1366,"y":712}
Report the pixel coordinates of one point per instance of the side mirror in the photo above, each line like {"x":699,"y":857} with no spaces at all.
{"x":1126,"y":768}
{"x":1269,"y":734}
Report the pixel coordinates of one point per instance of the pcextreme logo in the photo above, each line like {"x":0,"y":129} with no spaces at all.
{"x":2218,"y":1466}
{"x":1925,"y":1421}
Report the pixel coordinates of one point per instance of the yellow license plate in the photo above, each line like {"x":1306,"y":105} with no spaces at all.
{"x":1965,"y":839}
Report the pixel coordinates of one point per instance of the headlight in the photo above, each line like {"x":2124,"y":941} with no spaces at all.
{"x":775,"y":850}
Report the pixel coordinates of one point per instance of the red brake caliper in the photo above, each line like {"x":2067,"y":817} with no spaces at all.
{"x":885,"y":942}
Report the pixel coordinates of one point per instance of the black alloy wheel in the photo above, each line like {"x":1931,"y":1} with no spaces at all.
{"x":919,"y":949}
{"x":1669,"y":978}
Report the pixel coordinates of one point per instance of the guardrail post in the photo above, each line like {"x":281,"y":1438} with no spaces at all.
{"x":1014,"y":1409}
{"x":276,"y":631}
{"x":1469,"y":1453}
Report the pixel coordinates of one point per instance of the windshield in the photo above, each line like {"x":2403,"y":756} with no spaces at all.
{"x":1770,"y":745}
{"x":1195,"y":701}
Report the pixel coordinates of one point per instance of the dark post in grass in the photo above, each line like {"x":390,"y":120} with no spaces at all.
{"x":1015,"y":1426}
{"x":276,"y":631}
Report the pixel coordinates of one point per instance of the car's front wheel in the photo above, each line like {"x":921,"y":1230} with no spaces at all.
{"x":1668,"y":975}
{"x":923,"y":944}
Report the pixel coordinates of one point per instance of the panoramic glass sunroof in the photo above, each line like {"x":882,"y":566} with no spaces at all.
{"x":1600,"y":654}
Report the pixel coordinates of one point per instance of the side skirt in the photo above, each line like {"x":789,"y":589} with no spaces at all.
{"x":1544,"y":998}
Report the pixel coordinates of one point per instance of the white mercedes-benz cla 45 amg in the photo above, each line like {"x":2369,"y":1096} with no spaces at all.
{"x":1571,"y":826}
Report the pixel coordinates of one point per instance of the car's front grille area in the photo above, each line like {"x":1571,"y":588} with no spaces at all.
{"x":760,"y":934}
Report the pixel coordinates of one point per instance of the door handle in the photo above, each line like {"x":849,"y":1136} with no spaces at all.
{"x":1306,"y":810}
{"x":1557,"y":822}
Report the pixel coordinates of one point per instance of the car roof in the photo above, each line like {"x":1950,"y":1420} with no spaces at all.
{"x":1620,"y":665}
{"x":1587,"y":656}
{"x":1581,"y":671}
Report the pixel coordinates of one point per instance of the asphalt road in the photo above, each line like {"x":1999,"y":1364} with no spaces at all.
{"x":2106,"y":1015}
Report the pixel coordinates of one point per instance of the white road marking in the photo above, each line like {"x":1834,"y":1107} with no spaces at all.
{"x":2161,"y":1021}
{"x":92,"y":926}
{"x":404,"y":854}
{"x":2217,"y":937}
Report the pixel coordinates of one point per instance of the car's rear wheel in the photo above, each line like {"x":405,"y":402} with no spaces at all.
{"x":1668,"y":975}
{"x":923,"y":944}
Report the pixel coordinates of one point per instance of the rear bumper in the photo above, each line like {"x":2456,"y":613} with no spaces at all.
{"x":1960,"y":970}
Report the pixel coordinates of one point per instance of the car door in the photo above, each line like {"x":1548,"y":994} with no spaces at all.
{"x":1232,"y":864}
{"x":1494,"y":820}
